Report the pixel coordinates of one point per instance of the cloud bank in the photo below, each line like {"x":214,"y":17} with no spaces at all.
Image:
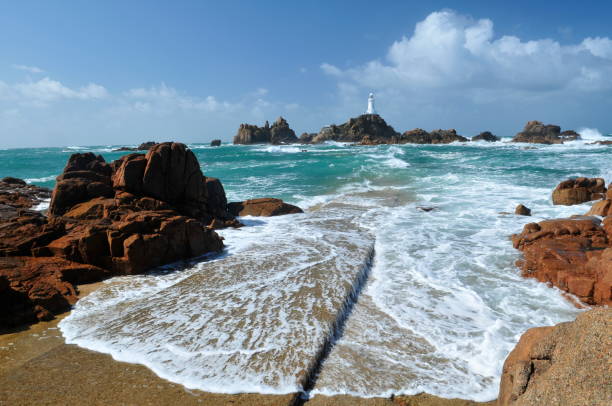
{"x":454,"y":59}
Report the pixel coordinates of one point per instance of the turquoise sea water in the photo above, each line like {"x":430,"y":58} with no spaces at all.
{"x":443,"y":302}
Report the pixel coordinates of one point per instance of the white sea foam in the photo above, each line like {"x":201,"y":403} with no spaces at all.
{"x":590,"y":134}
{"x":251,"y":320}
{"x":43,"y":179}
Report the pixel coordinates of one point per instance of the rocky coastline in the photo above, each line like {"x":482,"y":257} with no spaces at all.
{"x":136,"y":213}
{"x":372,"y":129}
{"x":145,"y":210}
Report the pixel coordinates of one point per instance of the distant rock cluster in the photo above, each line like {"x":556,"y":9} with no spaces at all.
{"x":372,"y":129}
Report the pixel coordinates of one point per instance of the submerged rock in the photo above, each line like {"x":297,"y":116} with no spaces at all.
{"x":486,"y":136}
{"x":567,"y":364}
{"x":278,"y":133}
{"x":538,"y":133}
{"x":579,"y":190}
{"x":262,"y":207}
{"x":522,"y":210}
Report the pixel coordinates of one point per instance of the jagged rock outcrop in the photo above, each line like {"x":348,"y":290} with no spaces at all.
{"x":266,"y":206}
{"x":563,"y":365}
{"x":16,"y":194}
{"x":602,"y":208}
{"x":420,"y":136}
{"x":538,"y":133}
{"x":579,"y":190}
{"x":278,"y":133}
{"x":372,"y":126}
{"x":215,"y":143}
{"x":485,"y":136}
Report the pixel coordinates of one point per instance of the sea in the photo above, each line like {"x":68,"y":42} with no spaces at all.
{"x":398,"y":278}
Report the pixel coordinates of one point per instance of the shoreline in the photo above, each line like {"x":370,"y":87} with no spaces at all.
{"x":38,"y":367}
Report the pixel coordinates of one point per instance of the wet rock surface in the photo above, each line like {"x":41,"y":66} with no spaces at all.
{"x":567,"y":364}
{"x":538,"y":133}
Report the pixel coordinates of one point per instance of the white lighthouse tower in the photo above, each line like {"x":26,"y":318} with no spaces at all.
{"x":371,"y":109}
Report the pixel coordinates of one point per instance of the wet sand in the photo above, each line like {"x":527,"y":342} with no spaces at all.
{"x":38,"y":367}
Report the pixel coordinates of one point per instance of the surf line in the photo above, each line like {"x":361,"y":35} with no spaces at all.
{"x":336,"y":330}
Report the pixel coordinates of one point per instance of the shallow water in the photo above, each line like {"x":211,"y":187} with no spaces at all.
{"x":443,"y":303}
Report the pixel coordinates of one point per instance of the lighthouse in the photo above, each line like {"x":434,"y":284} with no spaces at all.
{"x":371,"y":109}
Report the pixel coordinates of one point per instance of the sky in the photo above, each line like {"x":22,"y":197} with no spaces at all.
{"x":117,"y":72}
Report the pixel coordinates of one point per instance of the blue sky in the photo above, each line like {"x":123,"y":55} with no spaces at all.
{"x":82,"y":73}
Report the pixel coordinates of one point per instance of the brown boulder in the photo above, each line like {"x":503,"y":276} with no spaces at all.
{"x":33,"y":289}
{"x":17,"y":194}
{"x":27,"y":233}
{"x":579,"y":190}
{"x":564,"y":365}
{"x":522,"y":210}
{"x":262,"y":207}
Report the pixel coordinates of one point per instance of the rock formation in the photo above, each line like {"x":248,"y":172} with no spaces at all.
{"x":278,"y":133}
{"x":356,"y":129}
{"x":538,"y":133}
{"x":572,"y":254}
{"x":485,"y":136}
{"x":420,"y":136}
{"x":579,"y":190}
{"x":215,"y":143}
{"x":567,"y":364}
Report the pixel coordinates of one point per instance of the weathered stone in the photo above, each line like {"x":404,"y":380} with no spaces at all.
{"x":215,"y":143}
{"x":372,"y":126}
{"x":567,"y":364}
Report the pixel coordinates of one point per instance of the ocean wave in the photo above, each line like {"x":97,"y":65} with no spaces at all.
{"x":41,"y":180}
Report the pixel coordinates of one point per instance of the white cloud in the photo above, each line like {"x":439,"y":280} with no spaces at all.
{"x":331,"y":69}
{"x":165,"y":99}
{"x":454,"y":52}
{"x":46,"y":90}
{"x":31,"y":69}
